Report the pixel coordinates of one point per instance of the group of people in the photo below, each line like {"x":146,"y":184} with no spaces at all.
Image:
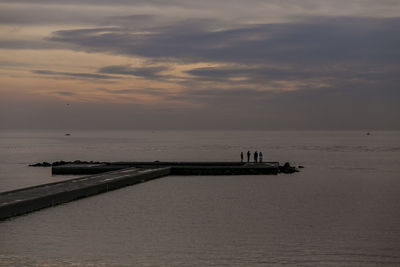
{"x":258,"y":156}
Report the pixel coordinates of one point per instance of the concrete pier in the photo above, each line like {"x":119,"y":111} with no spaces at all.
{"x":178,"y":168}
{"x":85,"y":169}
{"x":29,"y":199}
{"x":112,"y":176}
{"x":245,"y":169}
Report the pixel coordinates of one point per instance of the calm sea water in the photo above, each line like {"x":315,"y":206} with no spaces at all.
{"x":342,"y":209}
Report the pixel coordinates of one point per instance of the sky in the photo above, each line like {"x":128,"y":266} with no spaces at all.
{"x":211,"y":64}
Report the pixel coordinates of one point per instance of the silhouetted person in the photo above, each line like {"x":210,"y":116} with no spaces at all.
{"x":255,"y":157}
{"x":248,"y":156}
{"x":241,"y":157}
{"x":260,"y":157}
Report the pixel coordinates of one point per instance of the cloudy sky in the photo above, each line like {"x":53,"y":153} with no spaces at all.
{"x":211,"y":64}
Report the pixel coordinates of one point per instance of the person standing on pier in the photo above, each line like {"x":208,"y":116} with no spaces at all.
{"x":248,"y":156}
{"x":241,"y":157}
{"x":255,"y":157}
{"x":260,"y":157}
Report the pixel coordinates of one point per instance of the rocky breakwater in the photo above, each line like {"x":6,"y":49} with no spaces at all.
{"x":60,"y":163}
{"x":287,"y":168}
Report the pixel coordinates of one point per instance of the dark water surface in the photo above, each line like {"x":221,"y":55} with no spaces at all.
{"x":343,"y":209}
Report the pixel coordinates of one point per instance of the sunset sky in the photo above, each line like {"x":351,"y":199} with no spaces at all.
{"x":212,"y":64}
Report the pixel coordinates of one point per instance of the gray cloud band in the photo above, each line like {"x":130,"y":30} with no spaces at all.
{"x":325,"y":41}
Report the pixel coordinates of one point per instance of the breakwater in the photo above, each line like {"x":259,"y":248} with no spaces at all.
{"x":17,"y":202}
{"x":111,"y":176}
{"x":177,"y":168}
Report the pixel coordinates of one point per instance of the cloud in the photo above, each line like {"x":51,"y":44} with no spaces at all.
{"x":28,"y":44}
{"x":316,"y":52}
{"x":147,"y":91}
{"x":123,"y":91}
{"x":75,"y":75}
{"x":144,"y":72}
{"x":46,"y":15}
{"x":240,"y":93}
{"x":265,"y":74}
{"x":234,"y":61}
{"x":240,"y":8}
{"x":65,"y":93}
{"x":254,"y":74}
{"x":320,"y":41}
{"x":162,"y":94}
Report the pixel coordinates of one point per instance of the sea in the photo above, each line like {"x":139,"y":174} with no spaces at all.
{"x":341,"y":209}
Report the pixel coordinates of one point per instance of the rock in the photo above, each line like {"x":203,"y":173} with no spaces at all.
{"x":286,"y":165}
{"x":286,"y":168}
{"x":61,"y":162}
{"x":43,"y":164}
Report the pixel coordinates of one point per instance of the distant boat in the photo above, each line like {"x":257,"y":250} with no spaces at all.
{"x":67,"y":134}
{"x":368,"y":133}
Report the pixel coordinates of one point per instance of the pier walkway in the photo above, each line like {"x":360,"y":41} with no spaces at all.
{"x":21,"y":201}
{"x":29,"y":199}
